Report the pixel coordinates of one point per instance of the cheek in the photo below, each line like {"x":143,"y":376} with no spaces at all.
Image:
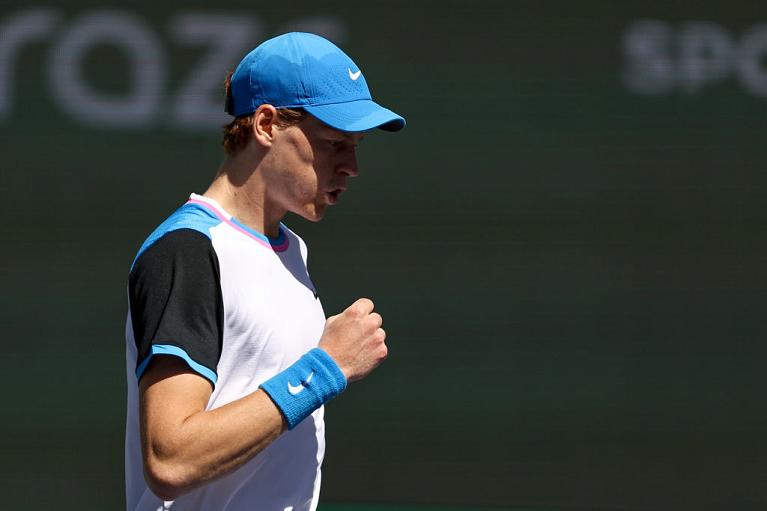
{"x":304,"y":184}
{"x":298,"y":147}
{"x":301,"y":182}
{"x":324,"y":163}
{"x":297,"y":167}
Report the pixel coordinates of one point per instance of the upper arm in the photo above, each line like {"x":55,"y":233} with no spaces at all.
{"x":169,"y":393}
{"x":176,"y":303}
{"x":177,"y":315}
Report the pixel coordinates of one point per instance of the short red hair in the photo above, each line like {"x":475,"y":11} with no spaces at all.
{"x":237,"y":133}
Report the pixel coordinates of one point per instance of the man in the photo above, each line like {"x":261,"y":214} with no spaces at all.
{"x":229,"y":356}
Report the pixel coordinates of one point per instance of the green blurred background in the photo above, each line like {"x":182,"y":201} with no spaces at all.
{"x":566,"y":243}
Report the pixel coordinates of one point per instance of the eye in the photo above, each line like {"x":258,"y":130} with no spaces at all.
{"x":340,"y":145}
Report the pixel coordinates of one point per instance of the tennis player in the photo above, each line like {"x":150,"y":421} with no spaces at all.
{"x":229,"y":356}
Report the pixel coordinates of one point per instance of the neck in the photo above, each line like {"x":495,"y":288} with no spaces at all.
{"x":241,"y":191}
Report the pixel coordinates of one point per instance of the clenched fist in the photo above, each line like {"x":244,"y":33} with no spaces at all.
{"x":355,"y":339}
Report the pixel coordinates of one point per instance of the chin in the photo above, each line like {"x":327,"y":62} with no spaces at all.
{"x":314,"y":215}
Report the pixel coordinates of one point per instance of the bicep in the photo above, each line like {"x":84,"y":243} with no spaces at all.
{"x":176,"y":303}
{"x":169,"y":393}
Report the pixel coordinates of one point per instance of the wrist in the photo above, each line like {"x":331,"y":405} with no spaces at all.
{"x":306,"y":385}
{"x":344,"y":370}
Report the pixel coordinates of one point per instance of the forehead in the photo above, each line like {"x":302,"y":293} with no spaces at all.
{"x":314,"y":127}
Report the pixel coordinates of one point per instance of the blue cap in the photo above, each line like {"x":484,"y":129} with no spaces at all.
{"x":300,"y":70}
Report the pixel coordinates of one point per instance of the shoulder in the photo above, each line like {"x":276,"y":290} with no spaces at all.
{"x":177,"y":256}
{"x":176,"y":245}
{"x":189,"y":224}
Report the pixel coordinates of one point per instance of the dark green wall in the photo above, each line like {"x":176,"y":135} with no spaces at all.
{"x":566,"y":243}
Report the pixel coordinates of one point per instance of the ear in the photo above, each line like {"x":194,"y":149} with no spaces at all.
{"x":264,"y":125}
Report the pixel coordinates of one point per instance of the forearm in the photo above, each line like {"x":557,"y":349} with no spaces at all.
{"x":184,"y":445}
{"x":209,"y":444}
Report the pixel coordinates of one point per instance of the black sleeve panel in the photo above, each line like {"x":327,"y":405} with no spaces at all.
{"x":176,"y":300}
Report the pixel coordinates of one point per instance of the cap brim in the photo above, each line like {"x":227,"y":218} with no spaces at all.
{"x":361,"y":115}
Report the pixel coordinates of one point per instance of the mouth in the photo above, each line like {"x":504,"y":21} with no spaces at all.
{"x":334,"y":194}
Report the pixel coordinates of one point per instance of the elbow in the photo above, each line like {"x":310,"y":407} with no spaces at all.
{"x":164,"y":489}
{"x":167,"y":480}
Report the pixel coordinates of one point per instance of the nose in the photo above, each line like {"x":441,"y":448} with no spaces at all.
{"x":348,"y":165}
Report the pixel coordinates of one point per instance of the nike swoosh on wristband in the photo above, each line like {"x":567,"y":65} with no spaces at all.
{"x":356,"y":75}
{"x":296,"y":389}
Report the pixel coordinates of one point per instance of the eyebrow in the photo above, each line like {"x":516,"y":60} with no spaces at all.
{"x":351,"y":138}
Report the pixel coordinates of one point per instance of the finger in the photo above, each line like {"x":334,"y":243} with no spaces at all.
{"x":376,"y":319}
{"x":362,"y":306}
{"x":384,"y":352}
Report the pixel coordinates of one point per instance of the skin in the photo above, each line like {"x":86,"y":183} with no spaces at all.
{"x":281,"y":170}
{"x":301,"y":169}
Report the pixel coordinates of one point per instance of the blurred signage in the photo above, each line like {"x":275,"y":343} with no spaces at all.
{"x":194,"y":103}
{"x":661,"y":58}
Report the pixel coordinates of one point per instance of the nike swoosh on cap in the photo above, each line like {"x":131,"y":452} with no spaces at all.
{"x":356,"y":75}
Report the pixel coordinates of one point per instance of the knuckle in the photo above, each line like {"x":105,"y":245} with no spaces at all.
{"x":361,"y":307}
{"x":366,"y":304}
{"x":356,"y":309}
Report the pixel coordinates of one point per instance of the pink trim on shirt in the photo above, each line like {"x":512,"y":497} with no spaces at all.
{"x":277,"y":248}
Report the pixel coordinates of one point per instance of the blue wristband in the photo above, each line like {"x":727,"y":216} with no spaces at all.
{"x":303,"y":387}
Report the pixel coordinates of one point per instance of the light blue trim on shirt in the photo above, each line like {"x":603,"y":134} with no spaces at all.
{"x":279,"y":240}
{"x":168,"y":349}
